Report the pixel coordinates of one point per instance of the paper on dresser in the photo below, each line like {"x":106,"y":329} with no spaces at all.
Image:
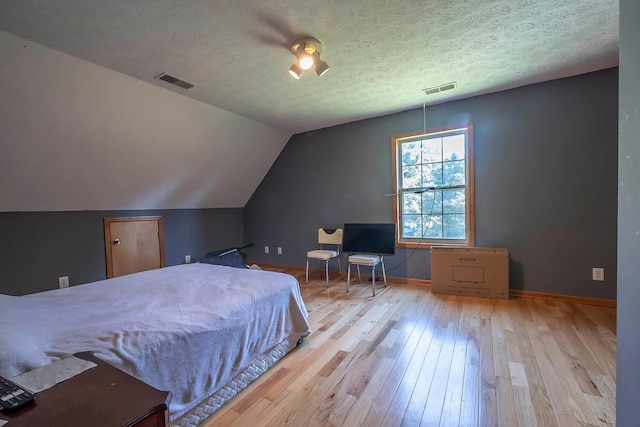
{"x":49,"y":375}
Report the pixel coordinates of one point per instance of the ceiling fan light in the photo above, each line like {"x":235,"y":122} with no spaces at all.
{"x":321,"y":68}
{"x":307,"y":51}
{"x":305,"y":61}
{"x":295,"y":71}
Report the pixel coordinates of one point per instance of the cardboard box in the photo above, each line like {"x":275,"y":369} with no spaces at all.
{"x":479,"y":272}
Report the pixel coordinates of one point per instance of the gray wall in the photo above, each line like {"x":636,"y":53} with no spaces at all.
{"x":545,"y":178}
{"x":628,"y":368}
{"x":38,"y":247}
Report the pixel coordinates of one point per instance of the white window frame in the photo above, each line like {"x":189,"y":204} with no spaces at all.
{"x":400,"y":191}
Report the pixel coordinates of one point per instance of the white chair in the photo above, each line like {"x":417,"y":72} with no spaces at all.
{"x":369,"y":261}
{"x":334,"y":240}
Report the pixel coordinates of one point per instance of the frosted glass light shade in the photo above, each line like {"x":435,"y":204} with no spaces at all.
{"x":295,"y":71}
{"x":322,"y":68}
{"x":306,"y":61}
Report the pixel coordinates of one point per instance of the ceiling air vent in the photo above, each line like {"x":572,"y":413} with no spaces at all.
{"x":438,"y":89}
{"x":174,"y":81}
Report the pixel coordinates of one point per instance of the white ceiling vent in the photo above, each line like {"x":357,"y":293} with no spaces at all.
{"x":174,"y":81}
{"x":438,"y":89}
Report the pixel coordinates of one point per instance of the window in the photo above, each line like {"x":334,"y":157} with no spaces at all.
{"x":433,"y":173}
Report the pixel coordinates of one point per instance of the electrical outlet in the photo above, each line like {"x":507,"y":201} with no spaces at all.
{"x":63,"y":281}
{"x":279,"y":250}
{"x":187,"y":259}
{"x":598,"y":274}
{"x":266,"y":249}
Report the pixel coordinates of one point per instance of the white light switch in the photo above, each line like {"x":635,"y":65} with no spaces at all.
{"x":598,"y":274}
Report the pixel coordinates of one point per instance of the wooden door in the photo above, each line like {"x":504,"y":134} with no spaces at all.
{"x":133,"y":244}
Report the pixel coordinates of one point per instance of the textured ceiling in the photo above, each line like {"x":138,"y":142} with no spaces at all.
{"x":382,"y":53}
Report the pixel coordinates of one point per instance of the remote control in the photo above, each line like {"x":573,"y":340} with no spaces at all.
{"x":12,"y":396}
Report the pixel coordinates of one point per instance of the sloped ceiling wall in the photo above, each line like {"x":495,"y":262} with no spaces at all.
{"x":77,"y":136}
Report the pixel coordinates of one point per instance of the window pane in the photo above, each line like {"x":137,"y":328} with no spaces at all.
{"x":411,"y":153}
{"x":453,"y":201}
{"x":433,"y":226}
{"x":411,"y":204}
{"x":411,"y":226}
{"x":432,"y":202}
{"x":432,"y":150}
{"x":454,"y":226}
{"x":453,"y":147}
{"x":434,"y":159}
{"x":411,"y":177}
{"x":453,"y":173}
{"x":432,"y":174}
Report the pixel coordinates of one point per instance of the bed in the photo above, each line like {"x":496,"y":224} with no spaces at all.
{"x":201,"y":331}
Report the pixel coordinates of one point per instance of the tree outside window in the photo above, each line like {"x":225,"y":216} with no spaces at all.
{"x":434,"y":186}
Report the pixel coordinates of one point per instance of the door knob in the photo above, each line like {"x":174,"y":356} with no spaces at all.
{"x":116,"y":242}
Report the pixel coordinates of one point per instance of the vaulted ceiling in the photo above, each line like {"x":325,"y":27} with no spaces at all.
{"x":382,"y":53}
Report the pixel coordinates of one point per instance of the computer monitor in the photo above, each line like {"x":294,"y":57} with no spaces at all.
{"x":371,"y":238}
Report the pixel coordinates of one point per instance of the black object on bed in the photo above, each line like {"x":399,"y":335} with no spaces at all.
{"x":231,"y":257}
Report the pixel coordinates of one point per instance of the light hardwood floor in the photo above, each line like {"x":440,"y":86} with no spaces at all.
{"x":409,"y":358}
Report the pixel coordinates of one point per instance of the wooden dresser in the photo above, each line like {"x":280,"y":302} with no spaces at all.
{"x":103,"y":396}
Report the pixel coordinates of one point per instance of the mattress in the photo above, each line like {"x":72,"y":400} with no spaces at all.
{"x":200,"y":331}
{"x":212,"y":403}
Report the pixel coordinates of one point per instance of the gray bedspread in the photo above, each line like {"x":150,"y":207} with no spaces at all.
{"x":187,"y":329}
